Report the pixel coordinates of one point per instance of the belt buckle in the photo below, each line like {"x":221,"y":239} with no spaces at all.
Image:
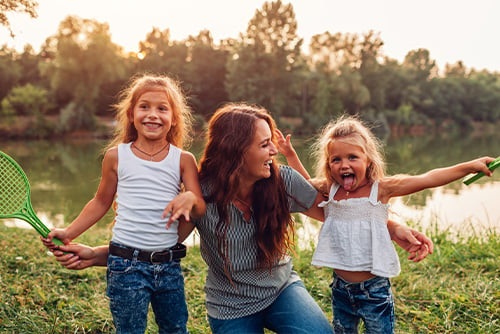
{"x":153,"y":253}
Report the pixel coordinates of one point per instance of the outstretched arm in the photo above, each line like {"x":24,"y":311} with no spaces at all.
{"x":401,"y":185}
{"x":97,"y":207}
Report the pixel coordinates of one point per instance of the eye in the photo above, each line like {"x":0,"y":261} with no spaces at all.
{"x":143,"y":106}
{"x":352,"y":157}
{"x":334,"y":159}
{"x":163,"y":108}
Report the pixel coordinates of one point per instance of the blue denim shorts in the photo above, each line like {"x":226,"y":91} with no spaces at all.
{"x":133,"y":285}
{"x":370,"y":300}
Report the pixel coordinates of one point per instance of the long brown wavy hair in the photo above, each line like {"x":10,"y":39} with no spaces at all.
{"x":231,"y":131}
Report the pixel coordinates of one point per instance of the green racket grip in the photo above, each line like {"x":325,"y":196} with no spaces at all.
{"x":57,"y":242}
{"x":491,"y":166}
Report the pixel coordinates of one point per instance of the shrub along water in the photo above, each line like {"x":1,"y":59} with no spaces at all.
{"x":454,"y":290}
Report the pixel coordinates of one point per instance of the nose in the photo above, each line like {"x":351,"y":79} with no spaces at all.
{"x":344,"y":164}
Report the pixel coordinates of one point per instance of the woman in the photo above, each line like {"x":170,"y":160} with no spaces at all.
{"x":247,"y":230}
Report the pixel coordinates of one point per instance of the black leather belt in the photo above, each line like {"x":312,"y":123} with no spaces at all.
{"x":173,"y":253}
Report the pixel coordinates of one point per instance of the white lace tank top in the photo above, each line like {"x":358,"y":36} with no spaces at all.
{"x":354,"y":236}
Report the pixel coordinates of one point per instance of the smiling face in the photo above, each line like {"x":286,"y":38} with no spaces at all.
{"x":348,"y":164}
{"x":152,"y":115}
{"x":259,"y":156}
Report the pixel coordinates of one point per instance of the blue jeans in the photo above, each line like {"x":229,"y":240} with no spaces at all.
{"x":370,"y":300}
{"x":133,"y":284}
{"x":294,"y":311}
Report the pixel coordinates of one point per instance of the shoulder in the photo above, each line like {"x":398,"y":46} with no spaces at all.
{"x":187,"y":158}
{"x":290,"y":175}
{"x":111,"y":153}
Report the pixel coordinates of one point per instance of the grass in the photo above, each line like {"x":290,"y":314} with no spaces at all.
{"x":454,"y":290}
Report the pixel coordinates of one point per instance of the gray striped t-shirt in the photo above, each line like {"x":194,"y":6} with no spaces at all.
{"x":250,"y":290}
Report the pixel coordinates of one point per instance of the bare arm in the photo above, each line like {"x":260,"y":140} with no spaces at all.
{"x":401,"y":185}
{"x":315,"y":211}
{"x":414,"y":242}
{"x":285,"y":147}
{"x":79,"y":256}
{"x":184,"y":230}
{"x":97,"y":207}
{"x":190,"y":202}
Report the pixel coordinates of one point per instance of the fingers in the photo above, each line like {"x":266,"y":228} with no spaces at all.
{"x":420,"y":254}
{"x":177,"y":215}
{"x":167,"y":210}
{"x":279,"y":135}
{"x":425,"y":241}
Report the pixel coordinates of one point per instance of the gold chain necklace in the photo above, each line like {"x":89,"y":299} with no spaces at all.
{"x":150,"y":155}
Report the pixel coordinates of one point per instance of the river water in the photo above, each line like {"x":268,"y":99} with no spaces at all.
{"x":64,"y":175}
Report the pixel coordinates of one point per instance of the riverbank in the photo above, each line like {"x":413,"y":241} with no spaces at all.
{"x":454,"y":290}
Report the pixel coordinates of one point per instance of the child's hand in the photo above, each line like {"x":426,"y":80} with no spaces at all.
{"x":481,"y":165}
{"x":61,"y":234}
{"x":181,"y":205}
{"x":285,"y":146}
{"x":414,"y":242}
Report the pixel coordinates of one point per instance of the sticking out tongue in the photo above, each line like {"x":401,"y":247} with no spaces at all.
{"x":348,"y":182}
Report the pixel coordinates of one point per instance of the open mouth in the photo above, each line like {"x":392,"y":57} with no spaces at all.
{"x":348,"y":181}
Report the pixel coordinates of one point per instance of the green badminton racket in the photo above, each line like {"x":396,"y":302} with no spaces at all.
{"x":15,"y":196}
{"x":491,"y":166}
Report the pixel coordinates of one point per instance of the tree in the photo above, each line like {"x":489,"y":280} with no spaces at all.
{"x":267,"y":61}
{"x":81,"y":59}
{"x":16,"y":6}
{"x":206,"y":73}
{"x":161,"y":55}
{"x":371,"y":70}
{"x":10,"y":69}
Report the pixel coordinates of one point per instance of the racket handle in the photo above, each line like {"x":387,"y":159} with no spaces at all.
{"x":57,"y":242}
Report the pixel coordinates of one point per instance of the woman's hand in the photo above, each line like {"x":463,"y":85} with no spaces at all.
{"x":78,"y":256}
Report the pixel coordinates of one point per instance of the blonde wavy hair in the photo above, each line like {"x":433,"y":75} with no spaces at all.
{"x":351,"y":130}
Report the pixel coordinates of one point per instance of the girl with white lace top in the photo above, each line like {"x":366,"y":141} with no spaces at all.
{"x":354,"y":239}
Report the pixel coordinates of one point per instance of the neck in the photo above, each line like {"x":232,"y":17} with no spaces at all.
{"x":244,"y":191}
{"x":358,"y":188}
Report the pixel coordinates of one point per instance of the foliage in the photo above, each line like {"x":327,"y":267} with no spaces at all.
{"x":83,"y":72}
{"x":85,"y":57}
{"x":17,"y":6}
{"x":25,"y":101}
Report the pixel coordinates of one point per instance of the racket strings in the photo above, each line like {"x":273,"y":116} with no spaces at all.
{"x":13,"y":188}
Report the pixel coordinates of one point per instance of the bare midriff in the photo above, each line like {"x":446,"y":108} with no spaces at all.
{"x":354,"y":276}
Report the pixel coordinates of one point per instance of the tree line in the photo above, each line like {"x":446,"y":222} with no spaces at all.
{"x":78,"y":72}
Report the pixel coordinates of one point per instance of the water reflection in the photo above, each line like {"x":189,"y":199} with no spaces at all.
{"x":64,"y":177}
{"x":473,"y":210}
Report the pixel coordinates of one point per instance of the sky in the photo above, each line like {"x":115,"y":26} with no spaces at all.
{"x":452,"y":30}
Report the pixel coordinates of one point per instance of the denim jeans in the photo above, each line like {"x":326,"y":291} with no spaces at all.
{"x":133,"y":284}
{"x":294,"y":311}
{"x":370,"y":300}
